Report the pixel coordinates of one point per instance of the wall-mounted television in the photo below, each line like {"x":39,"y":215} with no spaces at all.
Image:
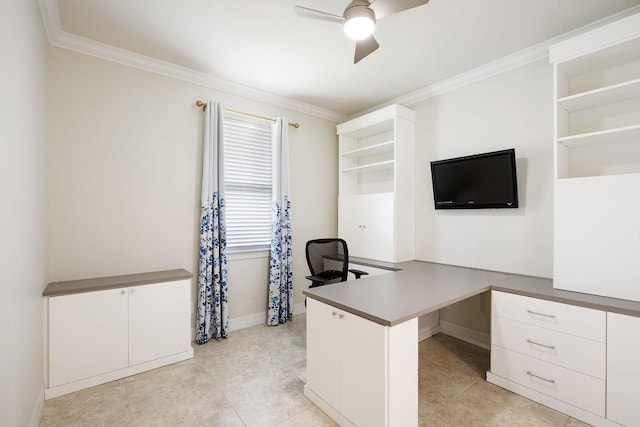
{"x":486,"y":180}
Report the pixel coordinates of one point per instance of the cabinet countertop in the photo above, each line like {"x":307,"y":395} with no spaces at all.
{"x":419,"y":287}
{"x":113,"y":282}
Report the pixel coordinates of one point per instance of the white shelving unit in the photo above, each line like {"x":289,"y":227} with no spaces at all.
{"x":376,"y":184}
{"x":371,"y":167}
{"x":597,"y":91}
{"x":372,"y":150}
{"x":612,"y":94}
{"x":597,"y":162}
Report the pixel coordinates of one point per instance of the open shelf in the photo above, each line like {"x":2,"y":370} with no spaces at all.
{"x":372,"y":150}
{"x":371,"y":167}
{"x":601,"y":137}
{"x":620,"y":53}
{"x":603,"y":96}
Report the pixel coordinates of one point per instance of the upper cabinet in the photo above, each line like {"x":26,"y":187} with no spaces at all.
{"x":597,"y":101}
{"x":376,"y":184}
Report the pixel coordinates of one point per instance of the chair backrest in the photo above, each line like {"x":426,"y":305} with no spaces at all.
{"x":328,"y":256}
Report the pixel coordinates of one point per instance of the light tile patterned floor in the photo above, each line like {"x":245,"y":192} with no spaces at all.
{"x":256,"y":378}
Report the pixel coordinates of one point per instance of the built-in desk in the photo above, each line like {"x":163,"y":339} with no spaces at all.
{"x":415,"y":289}
{"x":362,"y":335}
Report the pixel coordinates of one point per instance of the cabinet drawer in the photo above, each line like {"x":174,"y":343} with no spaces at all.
{"x":576,"y":353}
{"x":579,"y":321}
{"x":582,"y":391}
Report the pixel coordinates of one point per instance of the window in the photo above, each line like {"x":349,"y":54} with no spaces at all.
{"x":247,"y":151}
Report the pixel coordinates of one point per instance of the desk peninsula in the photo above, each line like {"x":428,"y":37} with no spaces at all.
{"x":362,"y":338}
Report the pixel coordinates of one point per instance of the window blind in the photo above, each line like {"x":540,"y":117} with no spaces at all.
{"x":248,"y":182}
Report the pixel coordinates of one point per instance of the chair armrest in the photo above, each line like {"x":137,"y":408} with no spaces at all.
{"x":358,"y":273}
{"x":317,"y":279}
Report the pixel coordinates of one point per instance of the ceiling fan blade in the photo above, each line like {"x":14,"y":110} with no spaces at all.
{"x":364,"y":48}
{"x":305,"y":12}
{"x":384,"y":8}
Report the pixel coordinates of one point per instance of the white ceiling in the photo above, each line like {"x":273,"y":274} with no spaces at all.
{"x":264,"y":45}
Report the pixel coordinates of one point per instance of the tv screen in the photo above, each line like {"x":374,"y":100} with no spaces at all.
{"x":479,"y":181}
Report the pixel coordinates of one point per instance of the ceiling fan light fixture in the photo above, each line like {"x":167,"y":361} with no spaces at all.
{"x":359,"y":28}
{"x":359,"y":23}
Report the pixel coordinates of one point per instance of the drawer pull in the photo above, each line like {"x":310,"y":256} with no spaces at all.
{"x":541,"y":378}
{"x":553,"y":316}
{"x":552,"y":347}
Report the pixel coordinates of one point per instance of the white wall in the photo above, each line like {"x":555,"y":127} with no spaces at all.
{"x":509,"y":110}
{"x":125,"y":171}
{"x":23,"y":212}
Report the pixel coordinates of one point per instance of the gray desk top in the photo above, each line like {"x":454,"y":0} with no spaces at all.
{"x":419,"y":287}
{"x":113,"y":282}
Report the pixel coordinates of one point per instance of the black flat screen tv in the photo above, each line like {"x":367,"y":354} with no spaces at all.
{"x":479,"y":181}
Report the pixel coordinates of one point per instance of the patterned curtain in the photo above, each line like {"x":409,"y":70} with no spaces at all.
{"x":281,"y":261}
{"x":212,"y":317}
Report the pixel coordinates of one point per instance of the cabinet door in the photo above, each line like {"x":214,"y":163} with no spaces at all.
{"x":159,"y":320}
{"x":323,"y":353}
{"x":363,"y":370}
{"x":597,"y":245}
{"x":623,"y":369}
{"x":366,"y":222}
{"x":87,"y":335}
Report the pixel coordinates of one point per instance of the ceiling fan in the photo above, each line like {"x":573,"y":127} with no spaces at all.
{"x":359,"y":20}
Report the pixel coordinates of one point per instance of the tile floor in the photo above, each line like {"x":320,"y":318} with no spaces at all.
{"x":256,"y":378}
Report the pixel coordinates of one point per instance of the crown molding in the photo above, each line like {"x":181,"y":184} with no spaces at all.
{"x":506,"y":63}
{"x":59,"y":38}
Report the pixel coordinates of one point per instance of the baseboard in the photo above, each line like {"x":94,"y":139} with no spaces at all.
{"x":423,"y":334}
{"x":326,"y":408}
{"x":471,"y":336}
{"x":552,"y":403}
{"x":255,"y":319}
{"x":247,"y":321}
{"x":50,"y":393}
{"x":36,"y":415}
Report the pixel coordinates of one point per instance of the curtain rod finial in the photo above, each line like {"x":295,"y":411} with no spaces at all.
{"x":201,"y":104}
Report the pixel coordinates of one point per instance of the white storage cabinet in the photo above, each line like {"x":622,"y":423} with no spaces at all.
{"x":375,"y":204}
{"x":623,"y":369}
{"x":597,"y":161}
{"x":93,"y":337}
{"x":88,"y":335}
{"x":359,"y":372}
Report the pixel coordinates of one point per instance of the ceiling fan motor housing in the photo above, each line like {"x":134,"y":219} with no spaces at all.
{"x":359,"y":19}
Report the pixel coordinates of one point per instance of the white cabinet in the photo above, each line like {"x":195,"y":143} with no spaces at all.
{"x":346,"y":362}
{"x":97,"y":336}
{"x":366,"y":223}
{"x":376,"y":184}
{"x":597,"y":160}
{"x":87,"y":335}
{"x":623,"y":369}
{"x":550,"y":352}
{"x":159,"y":320}
{"x":597,"y":240}
{"x":361,"y":373}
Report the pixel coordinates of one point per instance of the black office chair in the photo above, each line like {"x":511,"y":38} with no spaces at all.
{"x":328,"y":261}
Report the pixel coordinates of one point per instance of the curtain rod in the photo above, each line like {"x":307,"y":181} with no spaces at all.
{"x":204,"y":107}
